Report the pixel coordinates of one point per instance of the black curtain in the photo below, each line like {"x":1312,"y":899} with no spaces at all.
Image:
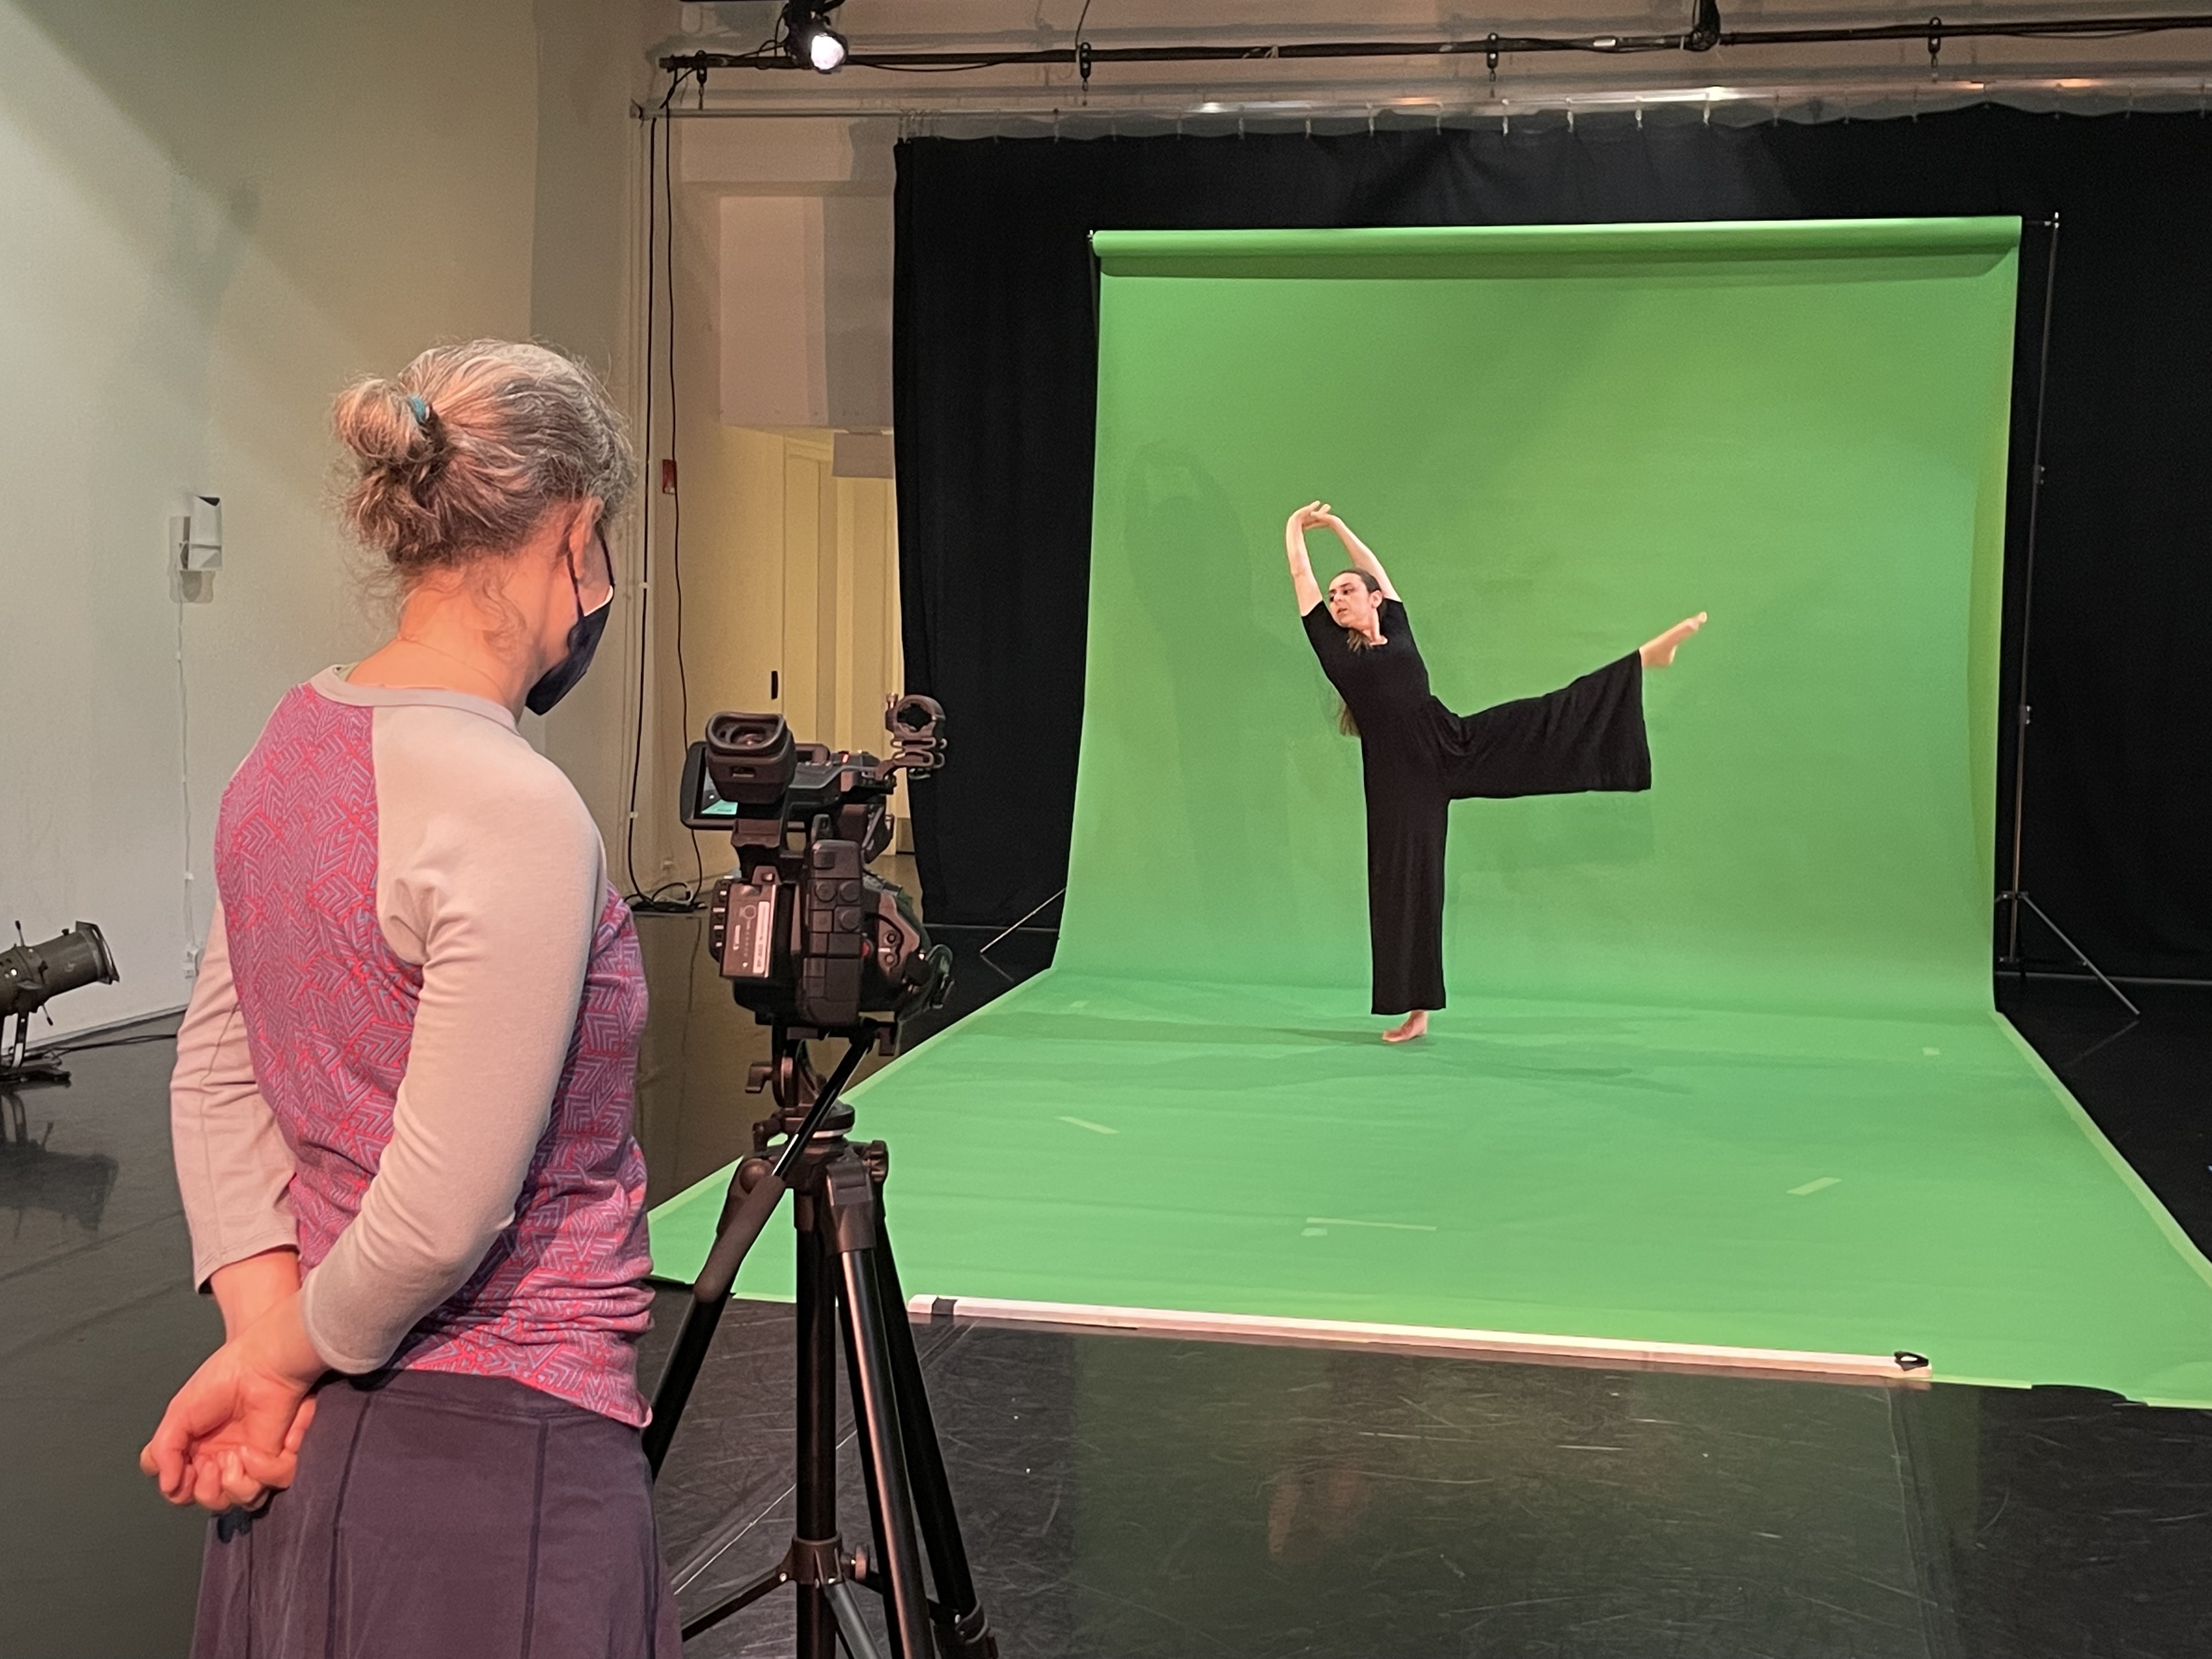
{"x":995,"y":394}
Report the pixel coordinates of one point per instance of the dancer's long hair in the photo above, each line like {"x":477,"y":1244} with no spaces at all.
{"x":1357,"y":642}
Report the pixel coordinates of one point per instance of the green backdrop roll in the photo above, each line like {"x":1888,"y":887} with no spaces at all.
{"x":1560,"y":443}
{"x":1720,"y":1066}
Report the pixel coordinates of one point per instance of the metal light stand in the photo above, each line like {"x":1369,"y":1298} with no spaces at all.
{"x":845,"y":1268}
{"x":2015,"y":898}
{"x":19,"y":1066}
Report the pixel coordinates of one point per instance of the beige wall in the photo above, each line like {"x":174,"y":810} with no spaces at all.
{"x":785,"y":569}
{"x":586,"y":287}
{"x":790,"y":601}
{"x":218,"y":212}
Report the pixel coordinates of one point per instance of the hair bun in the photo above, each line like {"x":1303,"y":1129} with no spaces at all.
{"x":376,"y":419}
{"x":461,"y":455}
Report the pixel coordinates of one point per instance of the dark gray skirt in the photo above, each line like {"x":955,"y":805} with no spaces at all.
{"x":436,"y":1516}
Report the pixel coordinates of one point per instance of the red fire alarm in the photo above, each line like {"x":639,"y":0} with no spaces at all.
{"x":668,"y":476}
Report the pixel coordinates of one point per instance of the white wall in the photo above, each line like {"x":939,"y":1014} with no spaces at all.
{"x":215,"y":214}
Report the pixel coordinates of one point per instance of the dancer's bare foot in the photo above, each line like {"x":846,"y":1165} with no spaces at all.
{"x":1659,"y":653}
{"x":1417,"y":1024}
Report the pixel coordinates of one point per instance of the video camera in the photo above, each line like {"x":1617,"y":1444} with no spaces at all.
{"x":810,"y":941}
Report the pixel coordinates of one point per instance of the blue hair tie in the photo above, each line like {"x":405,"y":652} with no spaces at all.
{"x":422,"y":411}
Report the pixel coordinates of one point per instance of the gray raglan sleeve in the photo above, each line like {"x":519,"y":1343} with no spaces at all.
{"x":234,"y":1169}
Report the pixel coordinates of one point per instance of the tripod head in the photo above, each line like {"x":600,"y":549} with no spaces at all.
{"x":789,"y":1077}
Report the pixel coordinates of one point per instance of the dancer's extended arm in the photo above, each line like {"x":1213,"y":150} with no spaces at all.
{"x":1294,"y":543}
{"x":1362,"y":555}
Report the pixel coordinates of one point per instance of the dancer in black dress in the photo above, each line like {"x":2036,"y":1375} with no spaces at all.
{"x":1417,"y":756}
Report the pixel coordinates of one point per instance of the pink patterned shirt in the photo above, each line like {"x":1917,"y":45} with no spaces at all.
{"x":412,"y":1045}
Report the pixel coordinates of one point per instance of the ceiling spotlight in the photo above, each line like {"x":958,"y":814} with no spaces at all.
{"x":808,"y":37}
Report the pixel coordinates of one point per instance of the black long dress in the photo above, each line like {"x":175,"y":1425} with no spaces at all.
{"x":1416,"y":758}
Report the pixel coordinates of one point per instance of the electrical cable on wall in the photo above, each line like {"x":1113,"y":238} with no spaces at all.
{"x":636,"y":896}
{"x":660,"y":195}
{"x":185,"y":790}
{"x":690,"y":900}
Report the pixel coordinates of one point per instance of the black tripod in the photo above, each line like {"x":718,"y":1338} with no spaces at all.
{"x":844,"y":1268}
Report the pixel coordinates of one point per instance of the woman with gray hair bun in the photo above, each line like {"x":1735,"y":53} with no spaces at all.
{"x":403,"y":1093}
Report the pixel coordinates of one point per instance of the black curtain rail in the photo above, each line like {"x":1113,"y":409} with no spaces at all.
{"x":1934,"y":32}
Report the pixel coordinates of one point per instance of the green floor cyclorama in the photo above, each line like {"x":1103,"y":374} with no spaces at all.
{"x":1720,"y":1066}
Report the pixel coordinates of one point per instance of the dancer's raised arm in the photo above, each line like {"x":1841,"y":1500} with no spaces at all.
{"x":1362,"y":555}
{"x":1294,"y":544}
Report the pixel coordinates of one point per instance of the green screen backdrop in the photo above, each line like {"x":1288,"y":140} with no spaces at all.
{"x":1720,"y":1064}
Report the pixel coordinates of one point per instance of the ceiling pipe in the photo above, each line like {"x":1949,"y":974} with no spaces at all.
{"x":1704,"y":35}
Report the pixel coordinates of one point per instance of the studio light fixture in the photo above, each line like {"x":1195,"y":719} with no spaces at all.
{"x":32,"y":973}
{"x":808,"y":38}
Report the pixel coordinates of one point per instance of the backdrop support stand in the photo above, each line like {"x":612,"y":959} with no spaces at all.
{"x":2015,"y":898}
{"x":1006,"y":933}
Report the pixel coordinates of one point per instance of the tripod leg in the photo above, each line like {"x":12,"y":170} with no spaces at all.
{"x":744,"y":1213}
{"x":852,"y":1201}
{"x":864,"y":1445}
{"x":966,"y":1628}
{"x":854,"y":1629}
{"x":816,"y":1288}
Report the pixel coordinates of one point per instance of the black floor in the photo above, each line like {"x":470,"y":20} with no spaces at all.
{"x":1130,"y":1497}
{"x":1133,"y":1497}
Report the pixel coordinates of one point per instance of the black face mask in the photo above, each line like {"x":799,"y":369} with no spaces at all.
{"x":557,"y":682}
